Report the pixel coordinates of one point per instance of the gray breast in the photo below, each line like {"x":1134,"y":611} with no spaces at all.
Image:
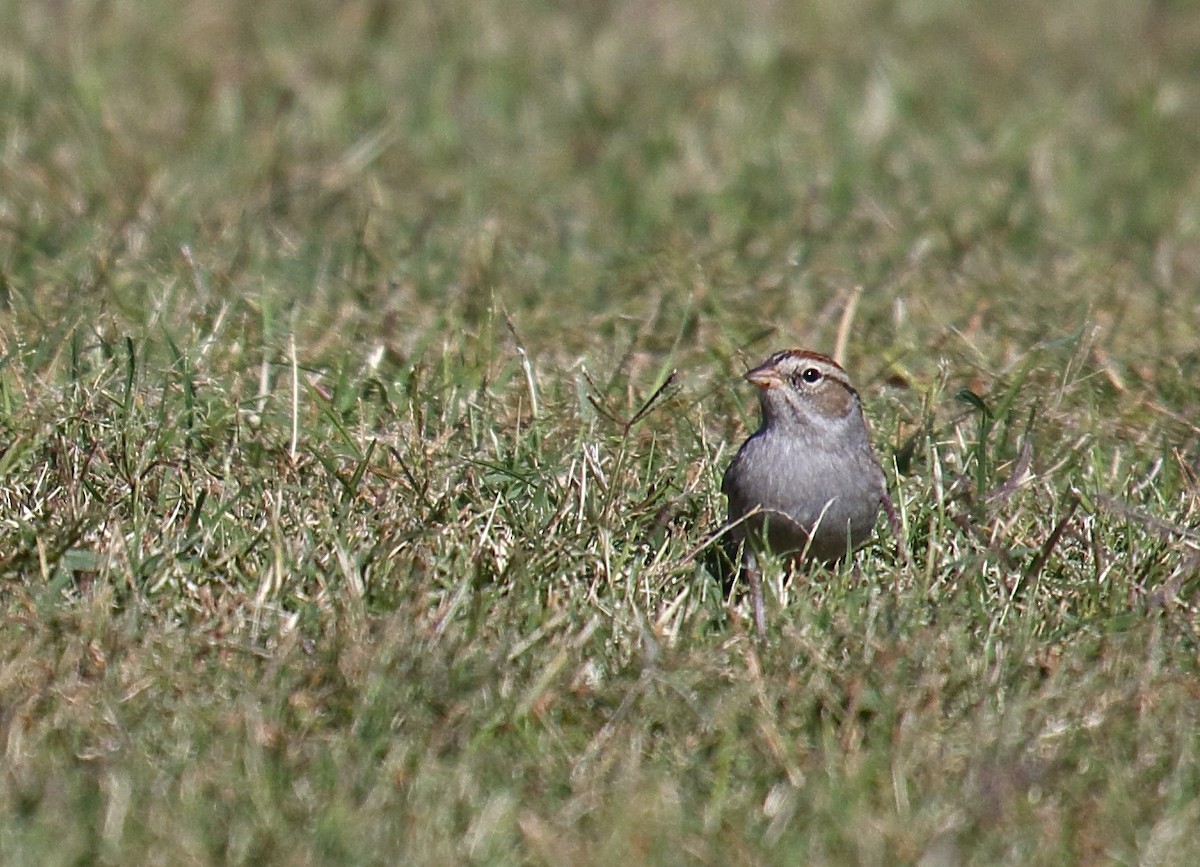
{"x":798,"y":485}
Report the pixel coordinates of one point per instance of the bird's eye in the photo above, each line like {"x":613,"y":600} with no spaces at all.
{"x":808,"y":376}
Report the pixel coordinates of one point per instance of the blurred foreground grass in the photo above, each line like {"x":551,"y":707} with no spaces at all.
{"x":322,"y":539}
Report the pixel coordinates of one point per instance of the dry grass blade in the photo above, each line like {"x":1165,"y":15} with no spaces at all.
{"x":648,"y":405}
{"x":1018,"y":476}
{"x":1155,"y":524}
{"x":1047,"y":548}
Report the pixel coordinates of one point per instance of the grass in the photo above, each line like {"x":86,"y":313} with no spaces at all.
{"x":323,"y":534}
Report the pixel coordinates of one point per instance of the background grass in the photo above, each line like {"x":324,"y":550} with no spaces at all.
{"x":322,"y":539}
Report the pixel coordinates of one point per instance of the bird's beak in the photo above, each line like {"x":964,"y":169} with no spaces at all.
{"x":764,"y":376}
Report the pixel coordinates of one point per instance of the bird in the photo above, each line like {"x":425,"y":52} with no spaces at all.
{"x":806,"y":485}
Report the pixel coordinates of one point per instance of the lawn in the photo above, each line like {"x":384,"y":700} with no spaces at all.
{"x":367,"y":375}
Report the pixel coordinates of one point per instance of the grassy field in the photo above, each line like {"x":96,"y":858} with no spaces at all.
{"x":324,"y":537}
